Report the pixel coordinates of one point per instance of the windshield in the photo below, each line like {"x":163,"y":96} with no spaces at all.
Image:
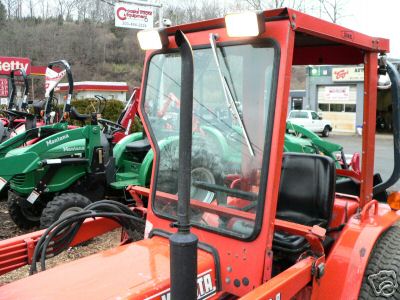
{"x":298,"y":115}
{"x":226,"y":172}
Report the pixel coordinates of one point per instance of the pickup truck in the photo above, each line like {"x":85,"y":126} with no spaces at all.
{"x":311,"y":121}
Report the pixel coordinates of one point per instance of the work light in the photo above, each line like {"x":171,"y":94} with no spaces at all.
{"x":152,"y":39}
{"x":244,"y":24}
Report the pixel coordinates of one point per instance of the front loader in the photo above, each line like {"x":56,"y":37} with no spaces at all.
{"x":274,"y":228}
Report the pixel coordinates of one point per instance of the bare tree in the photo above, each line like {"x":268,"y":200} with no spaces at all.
{"x":255,"y":4}
{"x":333,"y":9}
{"x":31,"y":6}
{"x":10,"y":6}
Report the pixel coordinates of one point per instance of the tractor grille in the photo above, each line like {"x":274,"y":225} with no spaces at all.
{"x":18,"y":180}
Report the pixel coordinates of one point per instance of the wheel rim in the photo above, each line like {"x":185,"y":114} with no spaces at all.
{"x":30,"y":215}
{"x":70,"y":211}
{"x":203,"y":175}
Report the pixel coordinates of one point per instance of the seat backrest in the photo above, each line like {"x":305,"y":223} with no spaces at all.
{"x":307,"y":189}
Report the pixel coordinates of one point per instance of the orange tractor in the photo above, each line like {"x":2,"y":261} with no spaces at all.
{"x":270,"y":227}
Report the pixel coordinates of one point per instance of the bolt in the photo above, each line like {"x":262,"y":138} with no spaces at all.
{"x":320,"y":270}
{"x":227,"y":280}
{"x":229,"y":269}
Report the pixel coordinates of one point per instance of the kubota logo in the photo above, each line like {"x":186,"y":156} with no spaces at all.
{"x":123,"y":13}
{"x":205,"y":288}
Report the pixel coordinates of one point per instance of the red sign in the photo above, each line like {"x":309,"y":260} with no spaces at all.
{"x":12,"y":63}
{"x":3,"y":87}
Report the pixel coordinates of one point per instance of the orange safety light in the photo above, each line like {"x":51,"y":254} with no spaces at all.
{"x":394,"y":200}
{"x":42,"y":113}
{"x":66,"y":115}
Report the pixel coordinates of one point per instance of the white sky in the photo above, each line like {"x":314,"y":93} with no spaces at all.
{"x":379,"y":18}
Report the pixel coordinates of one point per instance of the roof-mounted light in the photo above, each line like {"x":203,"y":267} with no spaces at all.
{"x":152,"y":39}
{"x":245,"y":24}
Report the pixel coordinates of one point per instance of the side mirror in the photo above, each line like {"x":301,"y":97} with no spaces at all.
{"x":319,"y":118}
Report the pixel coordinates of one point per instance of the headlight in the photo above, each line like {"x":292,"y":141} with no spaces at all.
{"x":153,"y":39}
{"x":244,"y":24}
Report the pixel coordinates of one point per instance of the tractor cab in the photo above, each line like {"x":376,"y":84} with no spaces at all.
{"x":230,"y":214}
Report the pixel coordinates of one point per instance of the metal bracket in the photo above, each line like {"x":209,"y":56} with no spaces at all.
{"x":30,"y":249}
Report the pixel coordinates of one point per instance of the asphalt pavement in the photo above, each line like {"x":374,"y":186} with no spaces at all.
{"x":383,"y":152}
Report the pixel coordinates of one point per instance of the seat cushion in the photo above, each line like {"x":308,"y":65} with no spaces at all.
{"x":138,"y":146}
{"x":307,"y":189}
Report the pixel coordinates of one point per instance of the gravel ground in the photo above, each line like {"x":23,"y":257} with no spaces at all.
{"x":9,"y":229}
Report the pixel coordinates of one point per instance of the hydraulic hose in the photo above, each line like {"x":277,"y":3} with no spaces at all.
{"x":395,"y":80}
{"x":60,"y":234}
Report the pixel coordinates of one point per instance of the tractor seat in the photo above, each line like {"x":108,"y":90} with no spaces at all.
{"x":306,"y":196}
{"x":139,"y":146}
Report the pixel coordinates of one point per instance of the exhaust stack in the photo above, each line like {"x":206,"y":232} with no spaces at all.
{"x":183,"y":244}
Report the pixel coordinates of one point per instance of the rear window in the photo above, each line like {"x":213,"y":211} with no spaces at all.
{"x":298,"y":115}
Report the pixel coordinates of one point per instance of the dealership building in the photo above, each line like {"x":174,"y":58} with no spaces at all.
{"x":336,"y":93}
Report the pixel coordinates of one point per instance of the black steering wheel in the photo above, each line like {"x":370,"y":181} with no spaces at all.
{"x":16,"y":113}
{"x":110,"y":125}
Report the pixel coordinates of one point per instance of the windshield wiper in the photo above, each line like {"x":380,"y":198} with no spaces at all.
{"x":231,"y":103}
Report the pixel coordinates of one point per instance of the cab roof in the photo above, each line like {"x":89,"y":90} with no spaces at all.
{"x":319,"y":41}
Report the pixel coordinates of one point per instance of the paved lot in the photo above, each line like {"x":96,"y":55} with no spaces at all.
{"x":383,"y":152}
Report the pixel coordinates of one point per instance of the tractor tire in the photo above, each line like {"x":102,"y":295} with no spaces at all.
{"x":382,"y":275}
{"x":326,"y":131}
{"x":23,"y":216}
{"x":62,"y":206}
{"x":206,"y":166}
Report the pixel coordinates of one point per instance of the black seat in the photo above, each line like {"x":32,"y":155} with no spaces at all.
{"x":306,"y":196}
{"x":139,"y":146}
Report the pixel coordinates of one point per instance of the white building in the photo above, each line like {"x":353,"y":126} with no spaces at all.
{"x":88,"y":89}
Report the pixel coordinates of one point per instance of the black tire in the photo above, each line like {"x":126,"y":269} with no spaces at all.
{"x":326,"y":131}
{"x":202,"y":161}
{"x":21,"y":212}
{"x":3,"y":195}
{"x":62,"y":204}
{"x":382,"y":275}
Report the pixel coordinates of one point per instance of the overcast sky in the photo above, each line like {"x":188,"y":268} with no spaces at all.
{"x":377,"y":18}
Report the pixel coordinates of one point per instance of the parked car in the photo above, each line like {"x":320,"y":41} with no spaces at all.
{"x":311,"y":121}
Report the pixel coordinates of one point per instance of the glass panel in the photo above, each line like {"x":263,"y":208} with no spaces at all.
{"x":337,"y":107}
{"x":298,"y":115}
{"x":350,"y":108}
{"x":225,"y":175}
{"x":314,"y":116}
{"x":323,"y":106}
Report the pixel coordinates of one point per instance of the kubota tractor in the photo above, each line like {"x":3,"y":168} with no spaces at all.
{"x":272,"y":229}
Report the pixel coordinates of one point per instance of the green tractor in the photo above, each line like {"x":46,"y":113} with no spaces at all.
{"x":56,"y":175}
{"x":59,"y":174}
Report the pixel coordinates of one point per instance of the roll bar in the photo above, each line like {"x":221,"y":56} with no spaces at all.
{"x":67,"y":106}
{"x":24,"y":104}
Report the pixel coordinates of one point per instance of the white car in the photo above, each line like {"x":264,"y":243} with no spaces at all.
{"x":311,"y":121}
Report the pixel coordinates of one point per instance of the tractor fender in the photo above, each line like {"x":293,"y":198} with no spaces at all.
{"x":219,"y":138}
{"x":119,"y":148}
{"x":348,"y":259}
{"x":147,"y":164}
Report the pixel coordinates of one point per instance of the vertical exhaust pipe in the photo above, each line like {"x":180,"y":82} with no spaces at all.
{"x":183,"y":244}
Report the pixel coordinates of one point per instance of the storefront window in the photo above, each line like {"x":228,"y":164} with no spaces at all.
{"x":350,"y":108}
{"x":337,"y":107}
{"x":323,"y":106}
